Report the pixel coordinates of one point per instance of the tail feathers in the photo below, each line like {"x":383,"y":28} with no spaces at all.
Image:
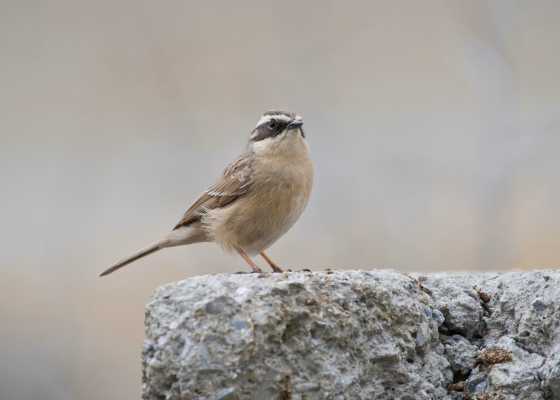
{"x":133,"y":257}
{"x":179,"y":237}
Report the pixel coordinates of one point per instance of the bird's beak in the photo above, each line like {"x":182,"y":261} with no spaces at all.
{"x":294,"y":124}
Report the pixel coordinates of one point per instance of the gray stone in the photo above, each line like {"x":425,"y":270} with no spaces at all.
{"x":352,"y":335}
{"x":438,"y":317}
{"x":421,"y":335}
{"x":460,"y":353}
{"x":428,"y":312}
{"x":512,"y":312}
{"x":297,"y":335}
{"x":550,"y":375}
{"x":307,"y":387}
{"x":539,"y":304}
{"x":226,"y":394}
{"x":457,"y":301}
{"x":480,"y":388}
{"x":518,"y":379}
{"x":474,"y":384}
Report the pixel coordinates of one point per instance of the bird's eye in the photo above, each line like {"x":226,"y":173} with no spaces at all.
{"x":272,"y":124}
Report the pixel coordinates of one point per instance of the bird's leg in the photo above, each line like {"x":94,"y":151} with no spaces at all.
{"x":274,"y":267}
{"x":249,"y":261}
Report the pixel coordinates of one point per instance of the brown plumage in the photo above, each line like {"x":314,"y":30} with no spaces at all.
{"x":235,"y":180}
{"x":255,"y":200}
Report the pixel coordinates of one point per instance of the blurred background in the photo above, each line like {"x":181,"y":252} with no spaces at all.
{"x":434,"y":128}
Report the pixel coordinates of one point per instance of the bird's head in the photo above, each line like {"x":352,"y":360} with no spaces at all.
{"x":275,"y":126}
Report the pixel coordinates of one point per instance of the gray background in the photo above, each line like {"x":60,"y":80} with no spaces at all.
{"x":434,"y":128}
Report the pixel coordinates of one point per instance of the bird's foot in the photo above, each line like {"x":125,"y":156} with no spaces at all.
{"x":275,"y":268}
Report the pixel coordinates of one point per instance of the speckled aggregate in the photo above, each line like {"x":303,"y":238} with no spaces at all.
{"x":352,"y":335}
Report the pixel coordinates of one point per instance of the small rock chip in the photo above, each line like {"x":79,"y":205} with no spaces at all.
{"x":438,"y":316}
{"x":420,"y":336}
{"x":539,"y":304}
{"x":329,"y":271}
{"x":308,"y":387}
{"x":428,"y":312}
{"x":472,"y":386}
{"x":458,"y":387}
{"x":226,"y":394}
{"x":215,"y":306}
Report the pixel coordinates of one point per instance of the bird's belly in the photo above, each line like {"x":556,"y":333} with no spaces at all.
{"x":270,"y":227}
{"x":255,"y":226}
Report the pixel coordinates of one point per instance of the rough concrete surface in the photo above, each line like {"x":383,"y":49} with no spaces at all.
{"x":338,"y":335}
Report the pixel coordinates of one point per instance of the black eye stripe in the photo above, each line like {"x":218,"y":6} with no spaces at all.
{"x":264,"y":131}
{"x":276,"y":126}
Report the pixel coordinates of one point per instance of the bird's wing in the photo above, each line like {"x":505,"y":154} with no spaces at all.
{"x":234,"y":181}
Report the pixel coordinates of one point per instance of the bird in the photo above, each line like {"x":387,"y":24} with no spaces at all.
{"x":255,"y":200}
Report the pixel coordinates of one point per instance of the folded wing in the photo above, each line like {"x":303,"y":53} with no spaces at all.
{"x":234,"y":181}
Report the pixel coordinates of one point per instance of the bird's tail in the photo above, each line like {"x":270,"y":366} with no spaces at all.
{"x":181,"y":236}
{"x":133,"y":257}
